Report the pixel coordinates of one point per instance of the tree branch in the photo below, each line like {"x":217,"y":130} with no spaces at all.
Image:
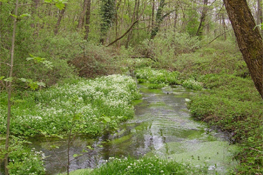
{"x":117,"y":39}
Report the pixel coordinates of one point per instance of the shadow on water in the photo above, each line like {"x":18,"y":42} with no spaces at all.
{"x":162,"y":126}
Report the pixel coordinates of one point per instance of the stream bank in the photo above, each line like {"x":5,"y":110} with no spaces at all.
{"x":162,"y":126}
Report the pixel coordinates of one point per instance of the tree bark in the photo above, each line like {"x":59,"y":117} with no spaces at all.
{"x":87,"y":20}
{"x":81,"y":17}
{"x":200,"y":29}
{"x":248,"y":38}
{"x":61,"y":14}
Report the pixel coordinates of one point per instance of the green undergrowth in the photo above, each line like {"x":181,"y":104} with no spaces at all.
{"x":235,"y":107}
{"x":145,"y":165}
{"x":230,"y":101}
{"x":85,"y":107}
{"x":23,"y":160}
{"x":156,"y":79}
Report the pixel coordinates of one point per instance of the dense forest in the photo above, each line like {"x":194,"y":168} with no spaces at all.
{"x":71,"y":67}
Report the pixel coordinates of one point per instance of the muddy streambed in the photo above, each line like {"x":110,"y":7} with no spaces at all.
{"x":162,"y":127}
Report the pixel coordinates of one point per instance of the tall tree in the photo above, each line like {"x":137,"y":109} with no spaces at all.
{"x":107,"y":13}
{"x":60,"y":16}
{"x":87,"y":23}
{"x":159,"y":19}
{"x":248,"y":38}
{"x":81,"y":18}
{"x":200,"y":29}
{"x":133,"y":19}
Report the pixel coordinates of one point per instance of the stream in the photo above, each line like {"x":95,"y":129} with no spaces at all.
{"x":162,"y":126}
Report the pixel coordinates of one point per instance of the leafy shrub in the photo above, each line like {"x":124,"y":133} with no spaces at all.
{"x":22,"y":159}
{"x":95,"y":61}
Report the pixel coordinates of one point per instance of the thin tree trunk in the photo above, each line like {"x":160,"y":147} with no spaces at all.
{"x":175,"y":18}
{"x":248,"y":38}
{"x":200,"y":29}
{"x":10,"y":92}
{"x":153,"y":8}
{"x":224,"y":25}
{"x":87,"y":20}
{"x":61,"y":14}
{"x":133,"y":18}
{"x":81,"y":17}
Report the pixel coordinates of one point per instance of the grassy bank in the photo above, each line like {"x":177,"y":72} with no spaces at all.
{"x":230,"y":101}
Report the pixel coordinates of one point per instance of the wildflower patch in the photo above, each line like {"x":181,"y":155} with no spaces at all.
{"x":86,"y":107}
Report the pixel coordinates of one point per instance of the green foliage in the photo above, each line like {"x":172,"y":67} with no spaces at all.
{"x":107,"y":12}
{"x":144,"y":165}
{"x":23,"y":160}
{"x":192,"y":22}
{"x":157,"y":78}
{"x":165,"y":46}
{"x":91,"y":106}
{"x":212,"y":60}
{"x":192,"y":84}
{"x":235,"y":106}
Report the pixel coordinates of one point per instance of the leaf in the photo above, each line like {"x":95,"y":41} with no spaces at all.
{"x":9,"y":79}
{"x":89,"y":147}
{"x":29,"y":58}
{"x":23,"y":79}
{"x":106,"y":119}
{"x":41,"y":84}
{"x":24,"y":15}
{"x":2,"y":77}
{"x":77,"y":155}
{"x":60,"y":5}
{"x":13,"y":15}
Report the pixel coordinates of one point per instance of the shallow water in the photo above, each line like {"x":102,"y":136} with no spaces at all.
{"x":162,"y":127}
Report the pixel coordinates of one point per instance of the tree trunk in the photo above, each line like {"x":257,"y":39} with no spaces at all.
{"x":133,"y":19}
{"x":224,"y":25}
{"x":87,"y":20}
{"x":158,"y":20}
{"x":81,"y":17}
{"x":200,"y":29}
{"x":153,"y":8}
{"x":61,"y":14}
{"x":10,"y":92}
{"x":248,"y":38}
